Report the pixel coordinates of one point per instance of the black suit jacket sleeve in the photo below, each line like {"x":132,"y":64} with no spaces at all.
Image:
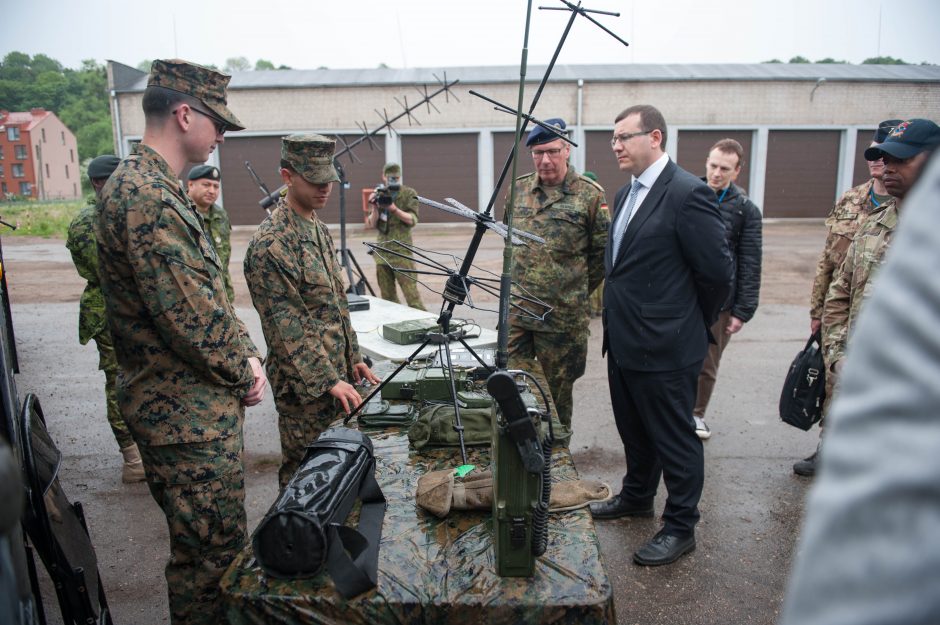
{"x":704,"y":246}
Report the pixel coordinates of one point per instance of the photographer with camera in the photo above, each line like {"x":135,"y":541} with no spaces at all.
{"x":394,"y":212}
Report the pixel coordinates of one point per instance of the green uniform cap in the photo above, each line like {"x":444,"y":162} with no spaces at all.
{"x":311,"y":156}
{"x":204,"y":171}
{"x":102,"y":166}
{"x":202,"y":83}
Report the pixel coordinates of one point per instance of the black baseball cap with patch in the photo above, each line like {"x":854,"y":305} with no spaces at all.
{"x":907,"y":139}
{"x":884,"y":128}
{"x":204,"y":171}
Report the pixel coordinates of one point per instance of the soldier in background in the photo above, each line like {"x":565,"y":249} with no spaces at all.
{"x":187,"y":365}
{"x":92,"y":322}
{"x":564,"y":208}
{"x":394,"y":215}
{"x":203,"y":188}
{"x":848,"y":214}
{"x":296,"y":285}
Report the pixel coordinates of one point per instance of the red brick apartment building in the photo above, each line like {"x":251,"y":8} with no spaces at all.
{"x":38,"y":156}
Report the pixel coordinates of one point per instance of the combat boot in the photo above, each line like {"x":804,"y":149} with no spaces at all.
{"x":133,"y":469}
{"x":807,"y":466}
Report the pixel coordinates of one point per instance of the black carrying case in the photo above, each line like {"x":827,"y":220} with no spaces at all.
{"x":804,"y":390}
{"x":303,"y":531}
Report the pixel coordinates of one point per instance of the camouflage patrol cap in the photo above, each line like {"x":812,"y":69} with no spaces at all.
{"x":206,"y":85}
{"x":204,"y":171}
{"x":392,"y":169}
{"x":102,"y":166}
{"x":311,"y":156}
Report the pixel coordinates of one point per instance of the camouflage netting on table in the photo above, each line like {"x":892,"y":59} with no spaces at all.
{"x":439,"y":570}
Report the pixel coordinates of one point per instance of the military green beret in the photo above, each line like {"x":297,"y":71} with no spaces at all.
{"x":311,"y":156}
{"x":102,"y":166}
{"x":392,"y":169}
{"x":204,"y":171}
{"x":202,"y":83}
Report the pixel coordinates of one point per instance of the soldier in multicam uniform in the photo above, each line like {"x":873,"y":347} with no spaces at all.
{"x":202,"y":186}
{"x":564,"y":208}
{"x":92,"y":322}
{"x":394,"y":223}
{"x":187,"y":364}
{"x":849,"y":213}
{"x":294,"y":277}
{"x":904,"y":152}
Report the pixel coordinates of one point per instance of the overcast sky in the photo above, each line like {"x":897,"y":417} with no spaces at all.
{"x":306,"y":34}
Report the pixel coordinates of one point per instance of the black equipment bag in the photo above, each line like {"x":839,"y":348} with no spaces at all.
{"x":303,"y":530}
{"x":804,"y":391}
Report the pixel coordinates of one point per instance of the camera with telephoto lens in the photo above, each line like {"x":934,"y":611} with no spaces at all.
{"x":384,"y":194}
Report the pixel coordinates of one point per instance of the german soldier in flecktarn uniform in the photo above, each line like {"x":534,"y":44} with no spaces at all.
{"x":564,"y":208}
{"x":187,"y":365}
{"x":296,"y":285}
{"x":92,"y":322}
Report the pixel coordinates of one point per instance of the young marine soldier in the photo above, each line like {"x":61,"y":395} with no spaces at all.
{"x":849,"y":213}
{"x":296,"y":285}
{"x":564,"y":208}
{"x":187,"y":365}
{"x":394,"y":223}
{"x":92,"y":322}
{"x":203,"y":189}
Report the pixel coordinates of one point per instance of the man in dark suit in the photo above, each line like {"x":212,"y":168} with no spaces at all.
{"x":668,"y":271}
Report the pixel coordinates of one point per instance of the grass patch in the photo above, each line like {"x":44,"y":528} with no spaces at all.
{"x":39,"y":219}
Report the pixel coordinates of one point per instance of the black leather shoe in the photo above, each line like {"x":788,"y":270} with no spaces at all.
{"x":664,"y":549}
{"x":616,"y":507}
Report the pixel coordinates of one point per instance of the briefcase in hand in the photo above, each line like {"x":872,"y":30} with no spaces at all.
{"x":804,"y":391}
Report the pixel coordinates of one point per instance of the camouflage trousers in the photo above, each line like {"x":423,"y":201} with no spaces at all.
{"x":107,"y":362}
{"x":201,"y":489}
{"x":386,"y":277}
{"x":597,"y":300}
{"x":299,"y":424}
{"x":563,"y":356}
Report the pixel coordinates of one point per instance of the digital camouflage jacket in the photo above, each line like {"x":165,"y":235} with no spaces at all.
{"x":182,"y":351}
{"x":845,"y":218}
{"x":219,"y":229}
{"x":856,"y":279}
{"x":564,"y":270}
{"x":296,"y":285}
{"x":84,"y":249}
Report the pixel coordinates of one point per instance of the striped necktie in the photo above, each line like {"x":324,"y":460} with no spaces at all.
{"x":623,"y":218}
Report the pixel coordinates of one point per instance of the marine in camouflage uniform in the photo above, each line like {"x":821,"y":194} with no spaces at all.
{"x":393,"y":225}
{"x":92,"y":322}
{"x":563,"y":271}
{"x":203,"y":189}
{"x":187,"y":364}
{"x":296,"y":285}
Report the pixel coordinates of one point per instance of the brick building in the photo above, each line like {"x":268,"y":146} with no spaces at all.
{"x":38,"y":156}
{"x":803,"y":126}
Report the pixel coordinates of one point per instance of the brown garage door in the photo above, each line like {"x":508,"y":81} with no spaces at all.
{"x":441,"y":166}
{"x":695,"y":144}
{"x":502,"y":143}
{"x":861,"y":173}
{"x":801,"y":173}
{"x":599,"y":158}
{"x":241,"y":194}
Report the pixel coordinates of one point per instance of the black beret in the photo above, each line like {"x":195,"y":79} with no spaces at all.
{"x":204,"y":171}
{"x":102,"y":166}
{"x":539,"y":135}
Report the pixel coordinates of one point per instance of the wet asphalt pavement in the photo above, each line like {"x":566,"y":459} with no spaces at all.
{"x":751,"y":506}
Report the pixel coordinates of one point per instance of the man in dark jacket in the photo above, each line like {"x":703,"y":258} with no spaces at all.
{"x":743,"y":222}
